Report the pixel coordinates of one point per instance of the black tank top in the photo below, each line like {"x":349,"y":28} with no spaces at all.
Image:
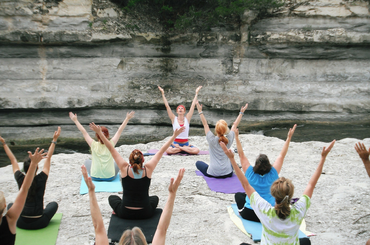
{"x":6,"y":237}
{"x":135,"y":191}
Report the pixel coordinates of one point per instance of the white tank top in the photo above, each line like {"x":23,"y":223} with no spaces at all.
{"x":176,"y":125}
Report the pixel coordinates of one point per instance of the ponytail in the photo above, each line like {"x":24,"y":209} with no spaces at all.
{"x":282,"y":189}
{"x":136,"y":160}
{"x":221,"y":130}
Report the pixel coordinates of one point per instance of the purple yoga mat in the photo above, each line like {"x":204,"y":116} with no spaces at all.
{"x":228,"y":185}
{"x":153,"y":151}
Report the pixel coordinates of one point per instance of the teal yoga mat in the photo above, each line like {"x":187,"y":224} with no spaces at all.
{"x":44,"y":236}
{"x":103,"y":186}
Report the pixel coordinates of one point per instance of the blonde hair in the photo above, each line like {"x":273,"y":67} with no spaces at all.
{"x":133,"y":237}
{"x":221,"y":130}
{"x":2,"y":203}
{"x":282,"y":189}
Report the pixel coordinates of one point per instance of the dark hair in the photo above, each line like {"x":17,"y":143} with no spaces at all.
{"x":262,"y":165}
{"x":282,"y":189}
{"x":105,"y":132}
{"x":32,"y":191}
{"x":136,"y":160}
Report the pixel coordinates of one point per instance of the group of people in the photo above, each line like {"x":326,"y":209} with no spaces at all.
{"x":268,"y":198}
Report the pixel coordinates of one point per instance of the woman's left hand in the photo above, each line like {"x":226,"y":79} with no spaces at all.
{"x":244,"y":108}
{"x":88,"y":181}
{"x":130,"y":115}
{"x":198,"y":89}
{"x":229,"y":153}
{"x":95,"y":128}
{"x":57,"y":134}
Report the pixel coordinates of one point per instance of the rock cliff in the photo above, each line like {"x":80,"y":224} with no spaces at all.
{"x":307,"y":62}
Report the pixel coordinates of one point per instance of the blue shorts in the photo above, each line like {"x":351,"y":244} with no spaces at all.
{"x":181,"y":144}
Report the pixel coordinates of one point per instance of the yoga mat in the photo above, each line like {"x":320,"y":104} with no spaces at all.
{"x":250,"y":228}
{"x":44,"y":236}
{"x":227,"y":185}
{"x":102,"y":186}
{"x":117,"y":226}
{"x":153,"y":151}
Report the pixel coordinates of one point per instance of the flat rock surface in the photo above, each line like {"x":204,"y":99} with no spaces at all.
{"x":337,"y":214}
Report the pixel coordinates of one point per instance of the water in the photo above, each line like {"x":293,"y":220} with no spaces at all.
{"x":312,"y":132}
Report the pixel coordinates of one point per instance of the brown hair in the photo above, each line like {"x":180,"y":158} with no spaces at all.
{"x":105,"y":132}
{"x":262,"y":165}
{"x":221,"y":130}
{"x":282,"y":189}
{"x":136,"y":160}
{"x":133,"y":237}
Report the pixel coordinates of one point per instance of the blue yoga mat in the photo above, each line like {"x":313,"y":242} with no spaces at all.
{"x":103,"y":186}
{"x":227,"y":185}
{"x":254,"y":228}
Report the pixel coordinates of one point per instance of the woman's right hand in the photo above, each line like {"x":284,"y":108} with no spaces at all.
{"x":88,"y":181}
{"x":291,"y":131}
{"x":161,"y":89}
{"x":174,"y":184}
{"x":56,"y":134}
{"x":236,"y":132}
{"x":37,"y":156}
{"x":325,"y":151}
{"x":2,"y":140}
{"x":72,"y":116}
{"x":130,"y":115}
{"x":229,"y":153}
{"x":178,"y":131}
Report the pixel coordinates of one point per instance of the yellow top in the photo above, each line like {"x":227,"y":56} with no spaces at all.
{"x":102,"y":165}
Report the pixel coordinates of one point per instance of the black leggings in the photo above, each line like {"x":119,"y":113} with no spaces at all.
{"x":245,"y":212}
{"x":38,"y":223}
{"x":125,"y":213}
{"x":203,"y":167}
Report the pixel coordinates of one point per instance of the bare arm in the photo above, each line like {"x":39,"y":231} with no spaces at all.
{"x":168,"y":108}
{"x":202,"y":118}
{"x":154,"y":161}
{"x":243,"y":159}
{"x":11,"y":156}
{"x":364,"y":155}
{"x":14,"y":212}
{"x":46,"y":168}
{"x":164,"y":222}
{"x":243,"y":180}
{"x":239,"y":118}
{"x":122,"y":127}
{"x":87,"y":137}
{"x":316,"y":175}
{"x":195,"y":100}
{"x":278,"y":164}
{"x":101,"y":237}
{"x":121,"y":163}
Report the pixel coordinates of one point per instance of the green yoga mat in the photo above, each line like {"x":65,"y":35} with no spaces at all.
{"x":45,"y":236}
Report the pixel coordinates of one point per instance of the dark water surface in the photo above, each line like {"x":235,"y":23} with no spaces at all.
{"x":324,"y":133}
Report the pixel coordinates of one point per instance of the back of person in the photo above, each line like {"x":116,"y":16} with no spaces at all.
{"x":262,"y":184}
{"x":219,"y":162}
{"x":136,"y":190}
{"x":6,"y":237}
{"x":34,"y":205}
{"x":102,"y":165}
{"x":276,"y":230}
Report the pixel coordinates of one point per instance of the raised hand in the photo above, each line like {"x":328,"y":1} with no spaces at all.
{"x":88,"y":181}
{"x":291,"y":131}
{"x":130,"y":115}
{"x":161,"y":89}
{"x":72,"y":116}
{"x":198,"y":89}
{"x":362,"y":152}
{"x":174,"y":184}
{"x":244,"y":108}
{"x":236,"y":131}
{"x":95,"y":128}
{"x":57,"y":134}
{"x":229,"y":153}
{"x":178,"y":131}
{"x":325,"y":151}
{"x":2,"y":140}
{"x":199,"y":107}
{"x":37,"y":156}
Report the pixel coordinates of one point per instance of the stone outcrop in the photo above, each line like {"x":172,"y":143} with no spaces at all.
{"x":307,"y":62}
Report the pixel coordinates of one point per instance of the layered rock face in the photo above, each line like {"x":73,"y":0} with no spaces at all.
{"x":309,"y":62}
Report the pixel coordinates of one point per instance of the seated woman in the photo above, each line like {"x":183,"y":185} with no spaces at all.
{"x":8,"y":221}
{"x":134,"y":236}
{"x":281,"y":222}
{"x":34,"y":216}
{"x":260,"y":177}
{"x":136,"y":202}
{"x":181,"y":143}
{"x":102,"y":166}
{"x":219,"y":166}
